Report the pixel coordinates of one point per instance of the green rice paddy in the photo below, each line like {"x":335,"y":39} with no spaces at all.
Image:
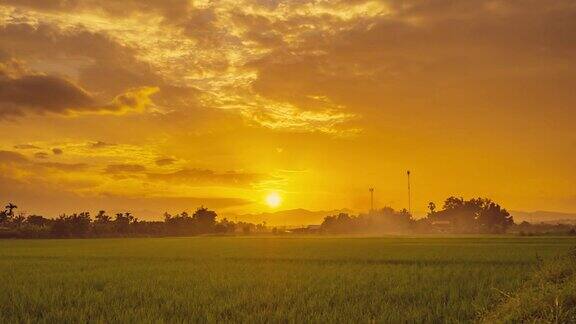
{"x":265,"y":279}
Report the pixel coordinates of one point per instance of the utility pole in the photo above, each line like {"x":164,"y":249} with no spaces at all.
{"x":409,"y":196}
{"x":371,"y":199}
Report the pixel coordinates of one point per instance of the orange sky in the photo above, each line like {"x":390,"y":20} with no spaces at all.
{"x":154,"y":106}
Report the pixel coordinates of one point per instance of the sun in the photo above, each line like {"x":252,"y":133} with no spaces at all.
{"x":273,"y":199}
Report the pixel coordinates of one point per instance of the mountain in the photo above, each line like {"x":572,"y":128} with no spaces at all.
{"x":544,"y":216}
{"x":291,"y":217}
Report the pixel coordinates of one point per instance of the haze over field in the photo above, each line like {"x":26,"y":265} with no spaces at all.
{"x":298,"y":217}
{"x":255,"y":106}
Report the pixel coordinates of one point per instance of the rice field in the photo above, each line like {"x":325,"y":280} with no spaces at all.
{"x":265,"y":279}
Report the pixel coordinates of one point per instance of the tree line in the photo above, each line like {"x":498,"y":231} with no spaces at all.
{"x":202,"y":221}
{"x":457,"y":215}
{"x":477,"y":215}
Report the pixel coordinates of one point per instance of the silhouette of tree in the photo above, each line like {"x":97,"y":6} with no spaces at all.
{"x":3,"y":217}
{"x":385,"y":220}
{"x":431,"y":207}
{"x":37,"y":220}
{"x":102,"y":218}
{"x":18,"y":220}
{"x":179,"y":224}
{"x":103,"y":225}
{"x":10,"y":209}
{"x":80,"y":223}
{"x":204,"y":219}
{"x":477,"y":215}
{"x":341,"y":223}
{"x":74,"y":225}
{"x":7,"y":216}
{"x":225,"y":226}
{"x":493,"y":218}
{"x":122,"y":222}
{"x":452,"y":203}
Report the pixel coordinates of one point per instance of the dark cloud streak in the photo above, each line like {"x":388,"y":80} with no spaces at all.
{"x":207,"y":177}
{"x":41,"y":94}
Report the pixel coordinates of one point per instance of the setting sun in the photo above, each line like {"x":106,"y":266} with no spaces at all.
{"x":273,"y":199}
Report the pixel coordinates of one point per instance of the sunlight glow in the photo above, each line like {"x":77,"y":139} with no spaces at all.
{"x":273,"y":199}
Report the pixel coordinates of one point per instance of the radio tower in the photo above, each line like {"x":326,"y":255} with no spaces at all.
{"x":409,"y":197}
{"x":371,"y":199}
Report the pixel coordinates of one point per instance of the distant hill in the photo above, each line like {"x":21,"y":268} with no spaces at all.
{"x":544,"y":216}
{"x":291,"y":217}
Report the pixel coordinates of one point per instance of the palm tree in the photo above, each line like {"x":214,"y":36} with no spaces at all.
{"x":10,"y":209}
{"x":102,"y":217}
{"x":432,"y":207}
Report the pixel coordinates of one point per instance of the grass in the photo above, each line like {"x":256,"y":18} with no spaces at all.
{"x":549,"y":296}
{"x":291,"y":279}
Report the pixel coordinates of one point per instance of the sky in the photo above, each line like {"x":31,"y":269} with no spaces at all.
{"x":166,"y":105}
